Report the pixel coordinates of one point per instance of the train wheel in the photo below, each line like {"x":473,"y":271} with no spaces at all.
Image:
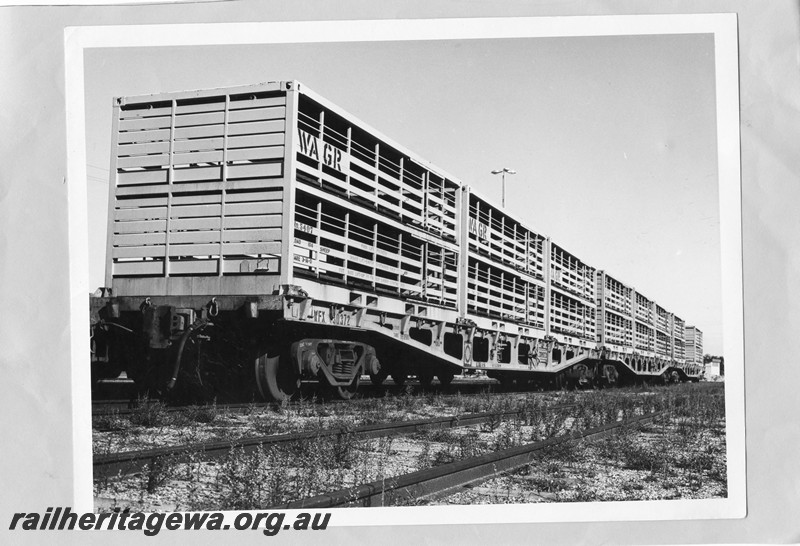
{"x":609,"y":377}
{"x":425,"y":378}
{"x":275,"y":378}
{"x":347,"y":392}
{"x":445,"y":378}
{"x":377,"y":379}
{"x":399,"y":378}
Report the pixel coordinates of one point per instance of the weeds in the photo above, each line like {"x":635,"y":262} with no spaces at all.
{"x":266,"y":426}
{"x":492,"y":423}
{"x":445,"y":455}
{"x":282,"y":473}
{"x":149,"y":413}
{"x":109,"y":422}
{"x":158,"y":473}
{"x":509,"y":435}
{"x":202,"y":414}
{"x":248,"y":482}
{"x":670,"y":452}
{"x":547,"y":484}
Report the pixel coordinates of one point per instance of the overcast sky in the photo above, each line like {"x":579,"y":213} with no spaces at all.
{"x":613,"y":138}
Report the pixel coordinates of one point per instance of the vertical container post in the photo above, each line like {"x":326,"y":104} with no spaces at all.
{"x":170,"y":177}
{"x":289,"y":183}
{"x":547,"y":249}
{"x":112,"y":193}
{"x":223,"y":191}
{"x":463,"y":255}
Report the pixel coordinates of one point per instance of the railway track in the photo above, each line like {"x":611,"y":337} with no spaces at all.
{"x":442,"y":481}
{"x":123,"y":407}
{"x":135,"y":461}
{"x":128,"y":406}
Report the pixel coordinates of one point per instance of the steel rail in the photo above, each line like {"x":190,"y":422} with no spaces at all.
{"x":130,"y":462}
{"x":128,"y":406}
{"x":446,"y":480}
{"x":122,"y":407}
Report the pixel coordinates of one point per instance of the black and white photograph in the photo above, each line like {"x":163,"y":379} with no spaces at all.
{"x":428,"y":272}
{"x":422,"y":273}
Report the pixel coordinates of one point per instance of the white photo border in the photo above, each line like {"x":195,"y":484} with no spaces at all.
{"x":724,"y":28}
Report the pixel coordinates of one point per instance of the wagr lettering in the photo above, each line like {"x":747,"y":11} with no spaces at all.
{"x":478,"y":229}
{"x":309,"y":145}
{"x":330,"y":156}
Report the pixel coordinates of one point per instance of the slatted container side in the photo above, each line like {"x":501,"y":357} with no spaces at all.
{"x":441,"y":275}
{"x":505,"y":273}
{"x":662,"y":343}
{"x":644,"y":310}
{"x":570,"y":275}
{"x":497,"y":292}
{"x":500,"y":238}
{"x":336,"y":154}
{"x":198,"y":186}
{"x":693,"y":345}
{"x":617,"y":329}
{"x":645,"y":338}
{"x":617,"y":296}
{"x":678,"y":333}
{"x":369,"y":215}
{"x":572,"y":316}
{"x":617,"y":302}
{"x":339,"y":245}
{"x":662,"y":319}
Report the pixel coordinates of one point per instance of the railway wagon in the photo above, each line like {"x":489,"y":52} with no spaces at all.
{"x":693,"y":342}
{"x":260,"y":235}
{"x":647,"y":338}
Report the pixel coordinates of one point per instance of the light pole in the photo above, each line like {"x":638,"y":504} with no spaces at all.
{"x":503,"y":172}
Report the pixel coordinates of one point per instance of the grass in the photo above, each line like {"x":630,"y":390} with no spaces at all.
{"x":158,"y":473}
{"x":110,"y":421}
{"x":281,"y":473}
{"x":149,"y":414}
{"x":152,"y":425}
{"x":202,"y":414}
{"x":681,"y":454}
